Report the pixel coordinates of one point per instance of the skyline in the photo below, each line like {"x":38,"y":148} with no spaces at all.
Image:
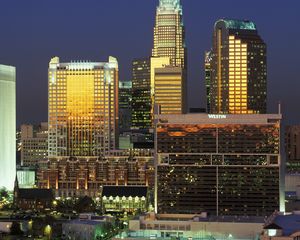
{"x":83,"y":38}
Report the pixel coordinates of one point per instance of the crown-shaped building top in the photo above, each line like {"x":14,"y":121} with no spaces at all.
{"x":169,"y":5}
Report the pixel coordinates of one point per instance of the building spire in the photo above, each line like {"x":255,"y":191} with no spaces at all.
{"x":170,"y":5}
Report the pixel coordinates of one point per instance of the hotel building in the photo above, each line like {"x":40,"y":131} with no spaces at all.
{"x":83,"y":108}
{"x":220,"y":164}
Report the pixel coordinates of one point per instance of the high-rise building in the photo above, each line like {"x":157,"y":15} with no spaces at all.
{"x":168,"y":87}
{"x":169,"y":33}
{"x":239,"y":69}
{"x":292,"y":148}
{"x":7,"y":126}
{"x":207,"y":66}
{"x":169,"y":50}
{"x":141,"y":96}
{"x":219,"y":164}
{"x":34,"y":144}
{"x":125,"y":109}
{"x":83,"y":108}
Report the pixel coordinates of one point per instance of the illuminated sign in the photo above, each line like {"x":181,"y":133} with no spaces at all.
{"x":217,"y":116}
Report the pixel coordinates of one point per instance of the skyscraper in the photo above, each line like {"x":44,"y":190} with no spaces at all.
{"x":239,"y":69}
{"x":168,"y":90}
{"x":207,"y":67}
{"x":7,"y":126}
{"x":169,"y":33}
{"x":141,"y":97}
{"x":83,"y":108}
{"x":169,"y":50}
{"x":125,"y":108}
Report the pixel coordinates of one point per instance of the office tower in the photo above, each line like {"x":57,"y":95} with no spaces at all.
{"x":81,"y":176}
{"x":125,"y":109}
{"x":239,"y":69}
{"x":292,"y":148}
{"x":169,"y":33}
{"x":34,"y":144}
{"x":168,"y":93}
{"x":7,"y":126}
{"x":219,"y":164}
{"x":169,"y":50}
{"x":207,"y":66}
{"x":83,"y":108}
{"x":141,"y":97}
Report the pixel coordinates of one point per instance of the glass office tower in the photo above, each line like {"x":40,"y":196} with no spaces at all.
{"x":239,"y":69}
{"x":7,"y":126}
{"x":141,"y":96}
{"x":169,"y":50}
{"x":169,"y":33}
{"x":83,"y":108}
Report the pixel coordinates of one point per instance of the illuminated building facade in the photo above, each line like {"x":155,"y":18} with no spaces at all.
{"x":169,"y":50}
{"x":7,"y":126}
{"x":83,"y":108}
{"x":34,"y":144}
{"x":292,"y":148}
{"x":239,"y":69}
{"x":141,"y":97}
{"x":169,"y":33}
{"x":220,"y":164}
{"x":168,"y":90}
{"x":84,"y":176}
{"x":124,"y":198}
{"x":125,"y":109}
{"x":207,"y":66}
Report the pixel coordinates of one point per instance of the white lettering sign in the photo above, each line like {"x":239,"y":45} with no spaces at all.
{"x":216,"y":116}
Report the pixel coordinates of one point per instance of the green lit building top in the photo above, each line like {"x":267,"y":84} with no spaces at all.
{"x":238,"y":24}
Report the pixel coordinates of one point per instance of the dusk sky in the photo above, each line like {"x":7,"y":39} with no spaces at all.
{"x":33,"y":31}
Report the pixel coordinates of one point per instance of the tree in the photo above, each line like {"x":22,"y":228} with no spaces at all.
{"x":85,"y":204}
{"x":15,"y":229}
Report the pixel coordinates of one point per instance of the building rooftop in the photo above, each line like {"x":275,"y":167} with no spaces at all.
{"x":288,"y":223}
{"x":86,"y":222}
{"x":238,"y":24}
{"x":35,"y":193}
{"x":203,"y":118}
{"x":125,"y":191}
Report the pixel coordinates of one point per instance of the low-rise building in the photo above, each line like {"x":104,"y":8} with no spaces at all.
{"x":84,"y":176}
{"x":125,"y":198}
{"x":32,"y":198}
{"x":282,"y":227}
{"x":89,"y":228}
{"x":187,"y":226}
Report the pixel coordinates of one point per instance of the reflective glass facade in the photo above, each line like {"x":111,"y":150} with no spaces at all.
{"x":227,"y":166}
{"x":169,"y":33}
{"x":239,"y":69}
{"x":83,"y":108}
{"x":169,"y":50}
{"x":7,"y":126}
{"x":168,"y":90}
{"x":141,"y":96}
